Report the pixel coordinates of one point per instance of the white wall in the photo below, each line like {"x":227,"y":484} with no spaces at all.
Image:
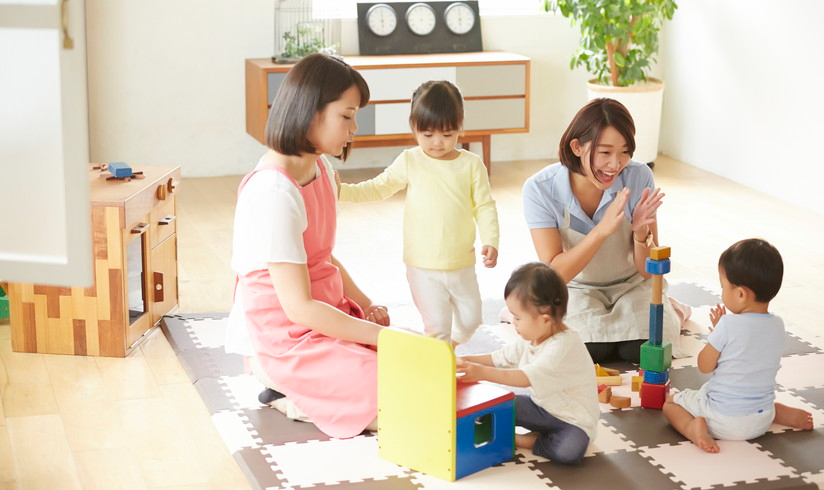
{"x":740,"y":99}
{"x":170,"y":91}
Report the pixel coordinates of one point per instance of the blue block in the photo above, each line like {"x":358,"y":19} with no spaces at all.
{"x":656,"y":324}
{"x":655,"y":377}
{"x":471,"y":456}
{"x":119,"y":169}
{"x":658,"y":266}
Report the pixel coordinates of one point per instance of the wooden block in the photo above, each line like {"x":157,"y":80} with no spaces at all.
{"x":620,"y":401}
{"x":608,"y":380}
{"x":656,"y":357}
{"x":654,"y":396}
{"x":599,"y":371}
{"x":612,"y":372}
{"x":636,"y":383}
{"x":658,"y":266}
{"x":605,"y":395}
{"x":656,"y":323}
{"x":659,"y":253}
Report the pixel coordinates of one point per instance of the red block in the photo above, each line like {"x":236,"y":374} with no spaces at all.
{"x":654,"y":396}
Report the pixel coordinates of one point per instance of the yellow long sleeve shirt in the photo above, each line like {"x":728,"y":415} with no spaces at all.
{"x":444,"y":201}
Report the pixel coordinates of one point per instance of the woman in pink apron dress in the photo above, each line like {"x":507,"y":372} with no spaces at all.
{"x":592,"y":218}
{"x":303,"y":313}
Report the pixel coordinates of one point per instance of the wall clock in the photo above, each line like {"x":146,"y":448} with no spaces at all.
{"x":419,"y":27}
{"x":381,"y":19}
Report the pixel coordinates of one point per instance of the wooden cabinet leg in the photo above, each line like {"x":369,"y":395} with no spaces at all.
{"x":486,"y":141}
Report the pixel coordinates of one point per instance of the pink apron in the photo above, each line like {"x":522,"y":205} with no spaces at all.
{"x":333,"y":381}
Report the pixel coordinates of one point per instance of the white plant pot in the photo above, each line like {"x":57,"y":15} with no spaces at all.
{"x":644,"y":101}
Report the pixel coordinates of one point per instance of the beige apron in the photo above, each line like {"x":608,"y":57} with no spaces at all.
{"x":609,"y":300}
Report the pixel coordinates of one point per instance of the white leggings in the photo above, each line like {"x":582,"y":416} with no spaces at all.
{"x":444,"y":296}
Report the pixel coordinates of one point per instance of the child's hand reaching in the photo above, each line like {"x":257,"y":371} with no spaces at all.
{"x":377,"y":314}
{"x":490,"y":254}
{"x":468,"y":372}
{"x":716,"y":313}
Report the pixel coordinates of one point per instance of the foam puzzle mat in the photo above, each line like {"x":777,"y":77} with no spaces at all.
{"x":635,"y":447}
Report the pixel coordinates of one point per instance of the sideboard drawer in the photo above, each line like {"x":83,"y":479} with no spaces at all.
{"x":399,"y":83}
{"x":492,"y":80}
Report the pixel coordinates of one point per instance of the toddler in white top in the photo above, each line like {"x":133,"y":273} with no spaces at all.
{"x":743,"y":352}
{"x":561,"y":409}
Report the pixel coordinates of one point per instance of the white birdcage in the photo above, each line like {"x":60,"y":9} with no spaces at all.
{"x":303,"y":27}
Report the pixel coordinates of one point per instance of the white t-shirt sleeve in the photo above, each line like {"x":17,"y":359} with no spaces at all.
{"x":270,"y":219}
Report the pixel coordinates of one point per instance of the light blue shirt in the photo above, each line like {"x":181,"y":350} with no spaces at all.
{"x":751,"y":345}
{"x":547,"y":192}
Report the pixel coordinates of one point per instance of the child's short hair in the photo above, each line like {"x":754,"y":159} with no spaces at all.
{"x":437,"y":105}
{"x":754,"y":264}
{"x":308,"y":88}
{"x":587,"y":125}
{"x":539,"y":285}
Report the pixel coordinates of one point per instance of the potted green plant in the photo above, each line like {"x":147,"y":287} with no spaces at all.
{"x":619,"y":41}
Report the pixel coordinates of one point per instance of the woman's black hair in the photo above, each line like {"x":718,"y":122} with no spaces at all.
{"x":308,"y":88}
{"x":587,"y":126}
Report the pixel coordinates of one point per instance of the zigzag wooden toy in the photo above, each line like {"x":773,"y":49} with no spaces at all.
{"x":430,"y":422}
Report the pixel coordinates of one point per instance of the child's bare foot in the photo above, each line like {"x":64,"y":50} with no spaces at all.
{"x":697,"y":432}
{"x":793,"y":417}
{"x":526,"y":441}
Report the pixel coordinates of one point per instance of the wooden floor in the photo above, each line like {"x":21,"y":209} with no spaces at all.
{"x":76,"y":422}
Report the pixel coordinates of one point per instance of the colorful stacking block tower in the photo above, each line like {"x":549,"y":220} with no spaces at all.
{"x":430,"y":422}
{"x":656,"y":355}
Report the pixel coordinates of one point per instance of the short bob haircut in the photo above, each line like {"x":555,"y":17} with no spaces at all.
{"x":754,"y":264}
{"x":437,"y":105}
{"x":308,"y":88}
{"x":538,"y":285}
{"x":587,"y":125}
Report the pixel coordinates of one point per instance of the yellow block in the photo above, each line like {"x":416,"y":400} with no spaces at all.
{"x":608,"y":380}
{"x":416,"y":402}
{"x":659,"y":253}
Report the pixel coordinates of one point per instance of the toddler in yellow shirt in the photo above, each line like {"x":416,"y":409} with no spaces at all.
{"x":447,"y":194}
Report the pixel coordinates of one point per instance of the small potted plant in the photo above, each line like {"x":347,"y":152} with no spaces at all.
{"x":305,"y":39}
{"x":619,"y":41}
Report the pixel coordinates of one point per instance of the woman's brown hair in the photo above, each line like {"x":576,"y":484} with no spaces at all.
{"x":587,"y":125}
{"x":308,"y":88}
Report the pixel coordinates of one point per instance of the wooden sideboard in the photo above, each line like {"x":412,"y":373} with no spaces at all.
{"x":135,"y":271}
{"x":495,"y":86}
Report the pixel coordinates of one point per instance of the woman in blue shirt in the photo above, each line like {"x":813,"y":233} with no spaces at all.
{"x":592,"y":218}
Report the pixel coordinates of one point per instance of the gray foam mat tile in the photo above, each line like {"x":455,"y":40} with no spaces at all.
{"x":643,"y":427}
{"x":796,"y":346}
{"x":273,"y":428}
{"x":176,"y":330}
{"x":814,"y":396}
{"x":801,"y":449}
{"x":253,"y":463}
{"x":688,"y":377}
{"x":209,"y":362}
{"x":214,"y":395}
{"x":620,"y":470}
{"x":693,"y":294}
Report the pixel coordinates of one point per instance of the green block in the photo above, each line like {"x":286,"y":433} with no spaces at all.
{"x":656,"y":357}
{"x":4,"y":307}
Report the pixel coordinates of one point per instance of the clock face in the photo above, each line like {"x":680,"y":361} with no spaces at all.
{"x":381,"y":19}
{"x":459,"y":18}
{"x":421,"y":19}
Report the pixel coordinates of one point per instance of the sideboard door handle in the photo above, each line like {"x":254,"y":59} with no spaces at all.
{"x":167,"y":220}
{"x":158,"y":287}
{"x":140,"y":228}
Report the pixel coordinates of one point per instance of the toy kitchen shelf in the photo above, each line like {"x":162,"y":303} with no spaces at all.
{"x":495,"y":86}
{"x":135,"y":273}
